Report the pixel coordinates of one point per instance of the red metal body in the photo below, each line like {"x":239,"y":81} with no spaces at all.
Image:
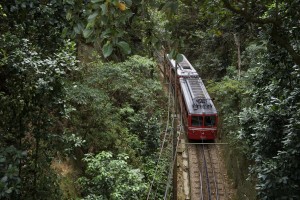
{"x":201,"y":132}
{"x":195,"y":102}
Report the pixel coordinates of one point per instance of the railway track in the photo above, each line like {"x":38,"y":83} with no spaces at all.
{"x":206,"y":180}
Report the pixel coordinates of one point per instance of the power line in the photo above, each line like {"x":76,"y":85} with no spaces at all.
{"x":164,"y":139}
{"x":171,"y":169}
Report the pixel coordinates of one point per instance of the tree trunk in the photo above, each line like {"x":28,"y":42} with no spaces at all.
{"x":238,"y":46}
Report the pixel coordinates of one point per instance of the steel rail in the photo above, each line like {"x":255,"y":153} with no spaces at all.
{"x":206,"y":172}
{"x":200,"y":174}
{"x":214,"y":175}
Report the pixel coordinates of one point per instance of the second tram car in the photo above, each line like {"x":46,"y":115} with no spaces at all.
{"x":199,"y":114}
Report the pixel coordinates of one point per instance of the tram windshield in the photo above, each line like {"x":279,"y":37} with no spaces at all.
{"x":210,"y":121}
{"x":197,"y":120}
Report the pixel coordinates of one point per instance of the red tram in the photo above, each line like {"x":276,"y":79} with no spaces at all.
{"x":199,"y":114}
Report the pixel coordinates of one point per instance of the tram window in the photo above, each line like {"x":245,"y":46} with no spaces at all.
{"x":186,"y":67}
{"x":210,"y":121}
{"x":197,"y":120}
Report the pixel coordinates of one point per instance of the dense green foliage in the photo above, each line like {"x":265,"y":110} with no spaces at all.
{"x":117,"y":28}
{"x":53,"y":106}
{"x":32,"y":103}
{"x":269,"y":124}
{"x":271,"y":128}
{"x":33,"y":68}
{"x":117,"y":108}
{"x":110,"y":178}
{"x":105,"y":109}
{"x":101,"y":21}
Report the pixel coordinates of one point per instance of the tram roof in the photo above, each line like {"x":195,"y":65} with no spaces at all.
{"x":184,"y":68}
{"x":196,"y":96}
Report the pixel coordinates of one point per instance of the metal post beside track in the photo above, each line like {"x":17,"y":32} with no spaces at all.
{"x":175,"y":137}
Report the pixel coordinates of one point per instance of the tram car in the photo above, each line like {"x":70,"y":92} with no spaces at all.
{"x":184,"y":68}
{"x":200,"y":117}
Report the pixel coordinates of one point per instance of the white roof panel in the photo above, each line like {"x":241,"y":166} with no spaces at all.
{"x":184,"y":68}
{"x":196,"y":96}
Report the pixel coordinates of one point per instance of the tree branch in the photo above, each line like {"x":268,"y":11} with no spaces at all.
{"x":248,"y":16}
{"x":282,"y":40}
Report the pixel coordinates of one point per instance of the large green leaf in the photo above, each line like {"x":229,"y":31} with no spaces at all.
{"x":107,"y":49}
{"x":124,"y":46}
{"x":78,"y":28}
{"x":106,"y":33}
{"x":87,"y":33}
{"x":93,"y":16}
{"x":104,"y":9}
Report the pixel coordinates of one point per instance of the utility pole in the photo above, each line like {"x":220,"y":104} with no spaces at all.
{"x":175,"y":137}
